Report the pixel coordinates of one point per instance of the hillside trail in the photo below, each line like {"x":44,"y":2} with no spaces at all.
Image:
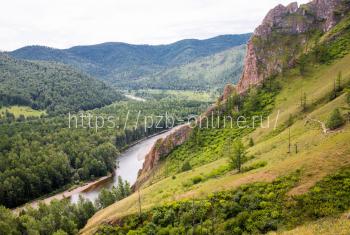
{"x":325,"y":130}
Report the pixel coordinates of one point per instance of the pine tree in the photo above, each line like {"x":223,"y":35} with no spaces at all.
{"x":335,"y":120}
{"x":238,"y":155}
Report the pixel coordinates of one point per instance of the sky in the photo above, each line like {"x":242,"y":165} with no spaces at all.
{"x":67,"y":23}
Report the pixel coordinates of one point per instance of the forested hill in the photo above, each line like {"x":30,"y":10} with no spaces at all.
{"x":116,"y":61}
{"x":51,"y":86}
{"x":210,"y":72}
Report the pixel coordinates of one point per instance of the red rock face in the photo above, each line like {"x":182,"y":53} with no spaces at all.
{"x":161,"y":149}
{"x":250,"y":75}
{"x":228,"y":90}
{"x":262,"y":61}
{"x":325,"y":10}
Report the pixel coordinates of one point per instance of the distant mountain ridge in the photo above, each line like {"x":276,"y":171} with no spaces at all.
{"x":115,"y":61}
{"x":210,"y":72}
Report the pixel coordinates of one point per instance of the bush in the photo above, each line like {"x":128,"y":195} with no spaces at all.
{"x":348,"y":95}
{"x":251,"y":142}
{"x":254,"y":166}
{"x":197,"y":179}
{"x":335,"y":120}
{"x":186,"y":166}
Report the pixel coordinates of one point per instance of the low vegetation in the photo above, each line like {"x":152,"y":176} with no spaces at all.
{"x":253,"y":208}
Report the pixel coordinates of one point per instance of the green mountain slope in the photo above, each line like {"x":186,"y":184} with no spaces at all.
{"x":318,"y":154}
{"x":295,"y":171}
{"x":203,"y":74}
{"x":51,"y":86}
{"x":116,"y":62}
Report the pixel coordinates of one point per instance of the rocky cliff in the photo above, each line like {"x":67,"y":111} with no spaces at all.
{"x":284,"y":34}
{"x":161,"y":149}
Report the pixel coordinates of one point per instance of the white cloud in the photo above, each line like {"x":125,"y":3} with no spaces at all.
{"x":65,"y":23}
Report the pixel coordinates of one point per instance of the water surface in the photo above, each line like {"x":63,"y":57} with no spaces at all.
{"x":129,"y":162}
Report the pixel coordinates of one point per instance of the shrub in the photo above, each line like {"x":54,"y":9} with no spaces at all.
{"x":218,"y":171}
{"x":186,"y":166}
{"x":251,"y":142}
{"x":254,"y":166}
{"x":335,"y":120}
{"x":197,"y":179}
{"x":348,"y":95}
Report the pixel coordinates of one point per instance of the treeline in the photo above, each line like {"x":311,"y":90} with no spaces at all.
{"x":41,"y":156}
{"x":108,"y":197}
{"x":52,"y":87}
{"x":59,"y":217}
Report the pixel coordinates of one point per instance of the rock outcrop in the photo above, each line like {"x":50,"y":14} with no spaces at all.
{"x":228,"y":90}
{"x":282,"y":36}
{"x":161,"y":149}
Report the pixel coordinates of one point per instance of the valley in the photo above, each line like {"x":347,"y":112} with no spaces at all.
{"x":234,"y":134}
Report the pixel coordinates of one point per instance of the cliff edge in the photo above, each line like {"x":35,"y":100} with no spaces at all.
{"x":284,"y":34}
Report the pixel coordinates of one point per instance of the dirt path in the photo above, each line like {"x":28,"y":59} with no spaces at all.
{"x":325,"y":130}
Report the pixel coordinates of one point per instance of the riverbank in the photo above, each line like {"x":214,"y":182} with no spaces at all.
{"x":66,"y":194}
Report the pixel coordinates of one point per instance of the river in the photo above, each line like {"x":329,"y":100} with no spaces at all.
{"x":129,"y":162}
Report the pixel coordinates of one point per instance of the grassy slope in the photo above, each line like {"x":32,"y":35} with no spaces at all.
{"x":339,"y":226}
{"x":318,"y":155}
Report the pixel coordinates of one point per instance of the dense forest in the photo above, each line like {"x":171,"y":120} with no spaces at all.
{"x":120,"y":62}
{"x":59,"y":217}
{"x":208,"y":73}
{"x":38,"y":156}
{"x":53,"y":87}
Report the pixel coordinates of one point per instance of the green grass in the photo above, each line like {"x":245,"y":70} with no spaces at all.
{"x":22,"y":110}
{"x":252,"y":208}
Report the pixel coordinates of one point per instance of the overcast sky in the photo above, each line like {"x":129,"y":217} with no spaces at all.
{"x":66,"y":23}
